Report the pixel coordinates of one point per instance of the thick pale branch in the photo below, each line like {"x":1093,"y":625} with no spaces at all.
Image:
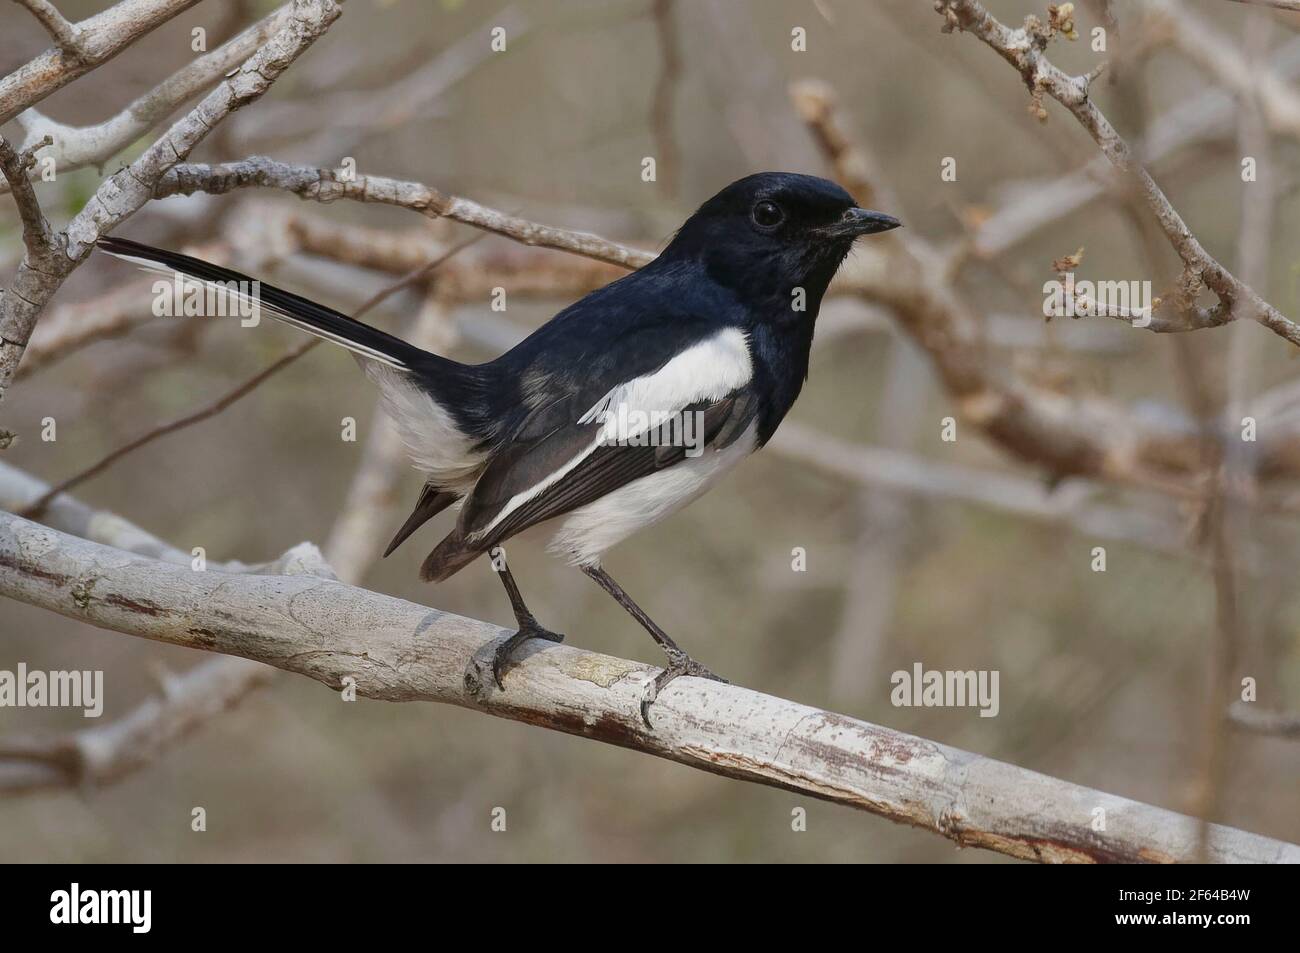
{"x":65,"y":35}
{"x":398,"y":651}
{"x":103,"y":753}
{"x":99,"y":39}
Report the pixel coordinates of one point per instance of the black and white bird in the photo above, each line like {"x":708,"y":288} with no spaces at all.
{"x":622,"y":408}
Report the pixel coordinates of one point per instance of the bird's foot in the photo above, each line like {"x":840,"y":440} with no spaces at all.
{"x":528,"y":629}
{"x":679,"y":663}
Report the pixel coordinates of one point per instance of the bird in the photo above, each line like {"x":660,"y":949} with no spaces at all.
{"x":619,"y":410}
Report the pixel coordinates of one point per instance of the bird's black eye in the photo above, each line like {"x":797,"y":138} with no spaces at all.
{"x":768,"y":214}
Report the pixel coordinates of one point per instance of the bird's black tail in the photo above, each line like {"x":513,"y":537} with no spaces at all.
{"x":282,"y":305}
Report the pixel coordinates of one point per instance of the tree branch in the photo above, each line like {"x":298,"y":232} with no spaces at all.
{"x":398,"y":651}
{"x":121,"y":195}
{"x":100,"y":38}
{"x":104,"y":753}
{"x":1280,"y":724}
{"x":1024,"y":49}
{"x":65,"y":35}
{"x":38,"y":237}
{"x":1068,"y":435}
{"x":327,"y":185}
{"x":75,"y":147}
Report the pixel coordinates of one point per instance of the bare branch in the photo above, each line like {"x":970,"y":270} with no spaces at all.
{"x":1281,"y":724}
{"x":65,"y":35}
{"x":75,"y":147}
{"x":398,"y":651}
{"x":1024,"y":49}
{"x":104,"y":753}
{"x":38,"y":237}
{"x":122,"y":194}
{"x":69,"y":327}
{"x":327,"y":185}
{"x":100,"y":38}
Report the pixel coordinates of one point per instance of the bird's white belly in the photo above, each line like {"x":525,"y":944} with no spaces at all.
{"x":590,"y":530}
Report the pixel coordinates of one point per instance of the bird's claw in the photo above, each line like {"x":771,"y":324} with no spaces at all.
{"x":527,"y":630}
{"x":678,"y":664}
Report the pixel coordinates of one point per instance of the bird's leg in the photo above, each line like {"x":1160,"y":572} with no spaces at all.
{"x":679,"y":663}
{"x":529,"y":627}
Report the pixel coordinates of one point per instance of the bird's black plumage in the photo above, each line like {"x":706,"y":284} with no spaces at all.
{"x":721,"y":270}
{"x":720,"y":325}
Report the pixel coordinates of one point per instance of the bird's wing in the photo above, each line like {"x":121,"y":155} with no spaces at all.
{"x":572,"y":448}
{"x":510,"y":504}
{"x":572,"y":451}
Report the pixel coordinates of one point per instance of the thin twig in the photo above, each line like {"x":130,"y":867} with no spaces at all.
{"x":1024,"y":49}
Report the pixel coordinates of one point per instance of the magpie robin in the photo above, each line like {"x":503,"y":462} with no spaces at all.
{"x":589,"y":417}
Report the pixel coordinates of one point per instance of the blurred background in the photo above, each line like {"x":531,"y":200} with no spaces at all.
{"x":1104,"y":676}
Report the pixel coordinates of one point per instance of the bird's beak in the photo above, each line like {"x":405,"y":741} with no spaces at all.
{"x":861,"y":221}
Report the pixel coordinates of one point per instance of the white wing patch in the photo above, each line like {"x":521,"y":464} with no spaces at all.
{"x":709,"y":370}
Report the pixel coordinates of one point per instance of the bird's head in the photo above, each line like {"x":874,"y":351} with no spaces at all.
{"x":770,"y":233}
